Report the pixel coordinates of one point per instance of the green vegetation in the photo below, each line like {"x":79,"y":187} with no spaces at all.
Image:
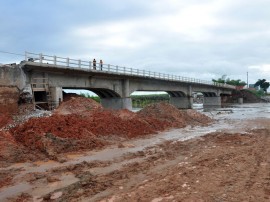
{"x":96,"y":98}
{"x":233,"y":82}
{"x":140,"y":101}
{"x":263,"y":84}
{"x":258,"y":93}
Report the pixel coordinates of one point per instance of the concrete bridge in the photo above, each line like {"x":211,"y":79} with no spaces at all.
{"x":114,"y":84}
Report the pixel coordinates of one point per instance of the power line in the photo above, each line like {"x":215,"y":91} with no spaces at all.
{"x":11,"y":53}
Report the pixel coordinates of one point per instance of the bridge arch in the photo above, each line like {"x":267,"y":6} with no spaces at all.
{"x":176,"y":93}
{"x":209,"y":94}
{"x":105,"y":93}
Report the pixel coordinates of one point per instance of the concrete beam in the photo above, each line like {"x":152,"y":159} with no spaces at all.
{"x":116,"y":103}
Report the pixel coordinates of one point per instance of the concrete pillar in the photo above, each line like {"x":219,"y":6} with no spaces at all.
{"x":212,"y":101}
{"x":116,"y":103}
{"x":240,"y":100}
{"x":125,"y":88}
{"x":57,"y":95}
{"x":182,"y":102}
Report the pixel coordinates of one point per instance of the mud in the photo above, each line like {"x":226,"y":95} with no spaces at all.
{"x":9,"y":96}
{"x":191,"y":157}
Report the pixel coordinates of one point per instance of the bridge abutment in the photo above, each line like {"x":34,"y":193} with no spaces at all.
{"x":212,"y":101}
{"x":182,"y":102}
{"x":117,"y":103}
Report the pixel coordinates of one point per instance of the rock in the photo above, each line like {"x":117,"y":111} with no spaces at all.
{"x":56,"y":195}
{"x":52,"y":179}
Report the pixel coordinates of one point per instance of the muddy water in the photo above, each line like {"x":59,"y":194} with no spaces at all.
{"x":229,"y":119}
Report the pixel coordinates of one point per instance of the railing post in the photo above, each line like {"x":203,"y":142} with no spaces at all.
{"x":40,"y":58}
{"x":79,"y":62}
{"x":109,"y":67}
{"x":124,"y":70}
{"x":67,"y":62}
{"x":54,"y":60}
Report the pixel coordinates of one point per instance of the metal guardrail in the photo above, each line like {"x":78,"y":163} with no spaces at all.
{"x":68,"y":62}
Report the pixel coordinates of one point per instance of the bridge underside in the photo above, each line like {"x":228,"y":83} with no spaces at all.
{"x":114,"y":90}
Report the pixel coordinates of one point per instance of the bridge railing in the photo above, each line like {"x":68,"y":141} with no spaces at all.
{"x":77,"y":64}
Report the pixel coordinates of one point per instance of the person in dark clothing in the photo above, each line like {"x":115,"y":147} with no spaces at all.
{"x":94,"y":64}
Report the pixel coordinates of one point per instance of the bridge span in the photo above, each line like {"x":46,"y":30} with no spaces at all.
{"x":113,"y":84}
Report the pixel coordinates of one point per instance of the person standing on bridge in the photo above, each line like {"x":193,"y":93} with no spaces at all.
{"x":101,"y":64}
{"x":94,"y":64}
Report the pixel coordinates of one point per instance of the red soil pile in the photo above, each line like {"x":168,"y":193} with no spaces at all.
{"x":80,"y":128}
{"x":9,"y":97}
{"x":195,"y":118}
{"x":11,"y":151}
{"x":68,"y":96}
{"x":77,"y":105}
{"x":81,"y":123}
{"x":172,"y":116}
{"x":5,"y":119}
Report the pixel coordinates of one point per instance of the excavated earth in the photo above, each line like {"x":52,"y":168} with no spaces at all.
{"x":82,"y":152}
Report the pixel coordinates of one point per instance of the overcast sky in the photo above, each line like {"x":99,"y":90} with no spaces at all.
{"x":203,"y":39}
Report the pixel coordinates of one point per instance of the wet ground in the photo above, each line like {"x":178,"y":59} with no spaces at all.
{"x":226,"y":161}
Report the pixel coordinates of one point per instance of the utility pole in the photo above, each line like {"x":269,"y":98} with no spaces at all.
{"x":247,"y":79}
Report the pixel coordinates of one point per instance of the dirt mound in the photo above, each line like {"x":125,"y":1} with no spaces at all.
{"x":62,"y":133}
{"x":9,"y":97}
{"x":68,"y":96}
{"x":58,"y":133}
{"x":193,"y":117}
{"x":11,"y":152}
{"x":77,"y":105}
{"x":81,"y":123}
{"x":172,"y":116}
{"x":5,"y":118}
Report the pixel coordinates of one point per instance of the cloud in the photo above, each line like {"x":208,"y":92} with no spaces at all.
{"x":201,"y":39}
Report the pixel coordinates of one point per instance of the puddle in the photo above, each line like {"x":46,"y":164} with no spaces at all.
{"x":37,"y":189}
{"x":65,"y":180}
{"x":13,"y":191}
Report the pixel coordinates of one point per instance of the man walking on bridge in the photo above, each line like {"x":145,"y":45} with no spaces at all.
{"x":101,"y":64}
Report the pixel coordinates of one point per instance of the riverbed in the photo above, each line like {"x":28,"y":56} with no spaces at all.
{"x":170,"y":165}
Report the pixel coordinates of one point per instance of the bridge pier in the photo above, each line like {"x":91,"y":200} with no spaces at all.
{"x":57,"y":95}
{"x":212,"y":101}
{"x":182,"y":102}
{"x":116,"y":103}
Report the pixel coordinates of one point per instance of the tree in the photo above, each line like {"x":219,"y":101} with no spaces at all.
{"x":233,"y":82}
{"x":220,"y":80}
{"x":237,"y":82}
{"x":263,"y":84}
